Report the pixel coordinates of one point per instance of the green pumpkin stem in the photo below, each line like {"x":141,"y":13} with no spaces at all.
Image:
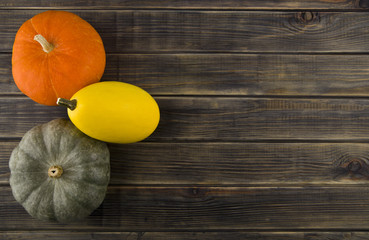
{"x":71,"y":104}
{"x":55,"y":171}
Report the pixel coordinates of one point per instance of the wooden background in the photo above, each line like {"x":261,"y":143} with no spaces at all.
{"x":264,"y":130}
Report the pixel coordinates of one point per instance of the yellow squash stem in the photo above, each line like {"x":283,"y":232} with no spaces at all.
{"x":71,"y":104}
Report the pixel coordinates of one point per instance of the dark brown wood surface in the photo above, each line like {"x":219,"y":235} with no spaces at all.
{"x":264,"y":130}
{"x":179,"y":208}
{"x":189,"y":31}
{"x":179,"y":235}
{"x":189,"y":4}
{"x":223,"y":118}
{"x":231,"y":74}
{"x":223,"y":164}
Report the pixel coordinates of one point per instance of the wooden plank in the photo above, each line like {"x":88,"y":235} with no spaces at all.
{"x":249,"y":164}
{"x":242,"y":74}
{"x":239,"y":163}
{"x":210,"y":208}
{"x":61,"y":235}
{"x":223,"y":118}
{"x":215,"y":31}
{"x":21,"y":114}
{"x":231,"y":74}
{"x":7,"y":84}
{"x":249,"y":119}
{"x":189,"y":4}
{"x":5,"y":151}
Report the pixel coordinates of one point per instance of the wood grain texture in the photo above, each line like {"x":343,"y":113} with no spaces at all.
{"x":189,"y":4}
{"x":225,"y":164}
{"x":210,"y":208}
{"x":215,"y":31}
{"x":231,"y":74}
{"x":243,"y":74}
{"x":223,"y":118}
{"x":180,"y":235}
{"x":239,"y":163}
{"x":15,"y":118}
{"x":250,"y":119}
{"x":264,"y":126}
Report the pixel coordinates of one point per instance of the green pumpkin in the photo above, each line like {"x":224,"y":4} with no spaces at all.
{"x":59,"y":173}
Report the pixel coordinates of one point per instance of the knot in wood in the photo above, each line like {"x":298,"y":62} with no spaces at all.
{"x":306,"y":17}
{"x":362,"y":3}
{"x":354,"y":166}
{"x":196,"y":192}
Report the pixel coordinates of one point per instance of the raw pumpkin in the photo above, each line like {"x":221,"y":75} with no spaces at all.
{"x":113,"y":112}
{"x":55,"y":54}
{"x":59,"y":173}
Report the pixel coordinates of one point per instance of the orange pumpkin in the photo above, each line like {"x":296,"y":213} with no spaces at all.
{"x":55,"y":54}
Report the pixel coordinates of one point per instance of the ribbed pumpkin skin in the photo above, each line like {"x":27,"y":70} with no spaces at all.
{"x":78,"y":191}
{"x":77,"y":60}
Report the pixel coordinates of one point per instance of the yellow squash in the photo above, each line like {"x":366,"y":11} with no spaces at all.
{"x":113,"y":112}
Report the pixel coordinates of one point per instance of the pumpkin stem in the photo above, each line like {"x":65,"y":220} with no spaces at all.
{"x":46,"y":46}
{"x":55,"y":171}
{"x":71,"y":104}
